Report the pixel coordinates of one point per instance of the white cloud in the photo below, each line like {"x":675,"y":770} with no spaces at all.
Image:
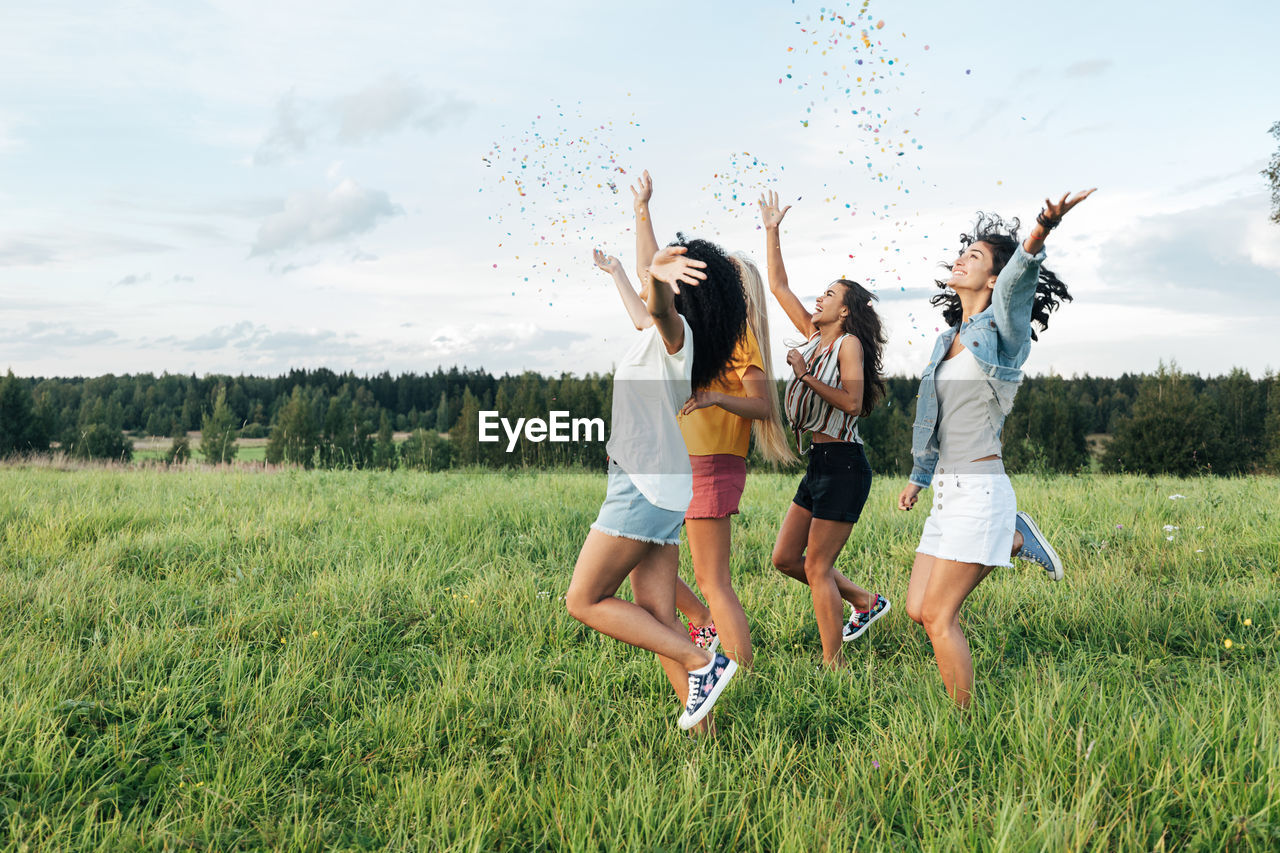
{"x":1089,"y":68}
{"x":393,"y":104}
{"x":47,"y":248}
{"x":286,"y":137}
{"x":319,"y":216}
{"x":387,"y":106}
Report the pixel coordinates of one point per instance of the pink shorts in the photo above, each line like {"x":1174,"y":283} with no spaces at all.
{"x":718,"y":481}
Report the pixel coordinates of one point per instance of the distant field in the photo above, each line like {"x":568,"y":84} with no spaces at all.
{"x":315,"y":660}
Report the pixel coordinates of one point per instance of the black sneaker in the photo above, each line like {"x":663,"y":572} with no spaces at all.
{"x":861,"y":620}
{"x":705,"y":688}
{"x":1036,"y":548}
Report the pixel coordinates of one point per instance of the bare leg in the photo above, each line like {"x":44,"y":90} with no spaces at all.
{"x":948,"y":585}
{"x":789,"y":556}
{"x":826,"y":538}
{"x":688,"y":603}
{"x":654,"y":589}
{"x":602,"y":565}
{"x":709,"y":540}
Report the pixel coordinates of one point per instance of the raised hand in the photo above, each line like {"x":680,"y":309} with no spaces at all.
{"x":608,"y":263}
{"x":643,"y":190}
{"x":770,"y":215}
{"x":1055,"y":211}
{"x":671,"y":265}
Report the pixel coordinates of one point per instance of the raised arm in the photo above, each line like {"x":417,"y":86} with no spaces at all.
{"x":1013,"y":297}
{"x":631,"y":300}
{"x":771,"y":216}
{"x":646,"y":240}
{"x":670,"y":269}
{"x":1049,"y":219}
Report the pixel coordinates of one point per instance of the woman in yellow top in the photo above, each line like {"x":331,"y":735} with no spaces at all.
{"x":716,"y":424}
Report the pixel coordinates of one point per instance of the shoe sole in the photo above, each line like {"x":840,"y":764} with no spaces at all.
{"x":1043,"y":542}
{"x":715,"y":644}
{"x":848,"y":638}
{"x":687,"y":721}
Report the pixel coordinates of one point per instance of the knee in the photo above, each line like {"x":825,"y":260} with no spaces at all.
{"x":915,"y":612}
{"x":715,"y":585}
{"x":815,"y":570}
{"x":936,"y":620}
{"x":785,"y":562}
{"x":577,"y":603}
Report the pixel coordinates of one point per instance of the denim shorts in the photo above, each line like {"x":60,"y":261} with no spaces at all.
{"x":627,"y":513}
{"x":973,"y":515}
{"x":837,"y":481}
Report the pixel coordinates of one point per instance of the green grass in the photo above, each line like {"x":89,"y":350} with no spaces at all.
{"x":240,"y":660}
{"x":256,"y":453}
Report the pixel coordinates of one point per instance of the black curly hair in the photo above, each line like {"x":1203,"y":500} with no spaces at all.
{"x":716,"y":310}
{"x":1002,"y":237}
{"x":864,"y":323}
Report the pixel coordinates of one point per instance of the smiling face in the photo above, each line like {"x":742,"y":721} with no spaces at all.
{"x":830,"y":306}
{"x":973,"y":271}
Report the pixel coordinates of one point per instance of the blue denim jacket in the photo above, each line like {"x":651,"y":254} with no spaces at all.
{"x":999,"y":338}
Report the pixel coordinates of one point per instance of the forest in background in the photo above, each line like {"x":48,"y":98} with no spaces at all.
{"x":1166,"y":422}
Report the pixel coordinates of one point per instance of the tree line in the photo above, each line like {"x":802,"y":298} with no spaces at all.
{"x":1164,"y":422}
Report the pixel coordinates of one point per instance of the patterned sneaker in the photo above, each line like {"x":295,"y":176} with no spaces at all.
{"x":705,"y":637}
{"x":861,"y":620}
{"x":1036,"y":548}
{"x":705,"y":687}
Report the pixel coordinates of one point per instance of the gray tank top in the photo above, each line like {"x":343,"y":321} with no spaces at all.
{"x":967,"y":411}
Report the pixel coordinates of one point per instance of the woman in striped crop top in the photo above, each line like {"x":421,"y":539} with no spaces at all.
{"x":836,"y":379}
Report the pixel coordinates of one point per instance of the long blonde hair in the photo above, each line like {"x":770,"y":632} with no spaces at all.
{"x":771,"y":437}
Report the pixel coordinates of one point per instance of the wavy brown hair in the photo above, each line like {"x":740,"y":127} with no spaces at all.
{"x":864,"y":324}
{"x":1002,"y":237}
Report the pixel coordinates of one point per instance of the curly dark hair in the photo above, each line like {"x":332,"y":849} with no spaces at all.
{"x":1002,"y":237}
{"x":864,"y":323}
{"x":716,"y":310}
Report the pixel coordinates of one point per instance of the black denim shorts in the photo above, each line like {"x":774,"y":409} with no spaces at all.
{"x":837,"y":481}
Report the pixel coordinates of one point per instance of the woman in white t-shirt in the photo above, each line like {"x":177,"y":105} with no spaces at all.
{"x":692,"y":340}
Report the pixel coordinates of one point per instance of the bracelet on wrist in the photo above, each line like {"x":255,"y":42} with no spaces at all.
{"x":1046,"y":221}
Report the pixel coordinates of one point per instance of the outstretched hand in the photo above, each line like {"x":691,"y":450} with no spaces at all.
{"x":1056,"y":211}
{"x":671,"y":265}
{"x":770,"y":215}
{"x":907,"y":499}
{"x":608,"y":263}
{"x":643,"y":190}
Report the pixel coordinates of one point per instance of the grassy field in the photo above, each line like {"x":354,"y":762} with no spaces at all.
{"x":336,"y":660}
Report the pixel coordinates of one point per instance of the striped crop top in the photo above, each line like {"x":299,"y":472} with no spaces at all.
{"x":806,"y":411}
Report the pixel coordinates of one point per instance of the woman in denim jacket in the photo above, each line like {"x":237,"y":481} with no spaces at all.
{"x":997,"y":289}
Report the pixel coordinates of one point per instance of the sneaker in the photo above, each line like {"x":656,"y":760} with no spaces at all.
{"x":861,"y":620}
{"x":1036,"y":548}
{"x":705,"y":637}
{"x":705,"y":688}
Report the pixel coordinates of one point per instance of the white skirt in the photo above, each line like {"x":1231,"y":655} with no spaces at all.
{"x":973,"y":515}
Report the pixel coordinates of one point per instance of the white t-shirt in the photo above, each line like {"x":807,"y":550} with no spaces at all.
{"x":649,"y":387}
{"x":967,"y":411}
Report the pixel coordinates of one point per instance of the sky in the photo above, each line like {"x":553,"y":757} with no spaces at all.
{"x":245,"y":188}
